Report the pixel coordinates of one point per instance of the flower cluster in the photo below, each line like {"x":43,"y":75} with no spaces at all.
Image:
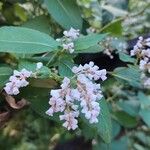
{"x":111,"y":45}
{"x":19,"y":79}
{"x":142,"y":51}
{"x":68,"y":38}
{"x":80,"y":91}
{"x":16,"y":81}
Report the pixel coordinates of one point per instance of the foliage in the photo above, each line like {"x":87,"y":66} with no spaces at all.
{"x":33,"y":32}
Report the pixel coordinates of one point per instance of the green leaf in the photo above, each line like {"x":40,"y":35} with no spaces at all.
{"x":145,"y":108}
{"x":126,"y":58}
{"x":43,"y":83}
{"x":125,"y":119}
{"x":25,"y":41}
{"x":119,"y":144}
{"x":20,"y":12}
{"x":5,"y":73}
{"x":131,"y":107}
{"x":86,"y":42}
{"x":40,"y":23}
{"x":88,"y":132}
{"x":130,"y":75}
{"x":115,"y":128}
{"x":65,"y":12}
{"x":145,"y":115}
{"x":114,"y":28}
{"x":92,"y":49}
{"x":104,"y":125}
{"x":144,"y":100}
{"x":65,"y":66}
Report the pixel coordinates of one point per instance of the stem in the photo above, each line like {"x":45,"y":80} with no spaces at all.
{"x":56,"y":77}
{"x":52,"y":58}
{"x":124,"y":17}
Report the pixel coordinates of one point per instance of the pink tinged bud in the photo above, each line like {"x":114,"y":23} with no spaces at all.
{"x":15,"y":91}
{"x":49,"y":112}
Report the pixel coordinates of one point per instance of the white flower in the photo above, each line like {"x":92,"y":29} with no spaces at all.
{"x":11,"y":88}
{"x":69,"y":47}
{"x":91,"y":71}
{"x":84,"y":93}
{"x":75,"y":94}
{"x":25,"y":73}
{"x":72,"y":33}
{"x":70,"y":121}
{"x":55,"y":93}
{"x":65,"y":83}
{"x":142,"y":64}
{"x":143,"y":53}
{"x":16,"y":81}
{"x":39,"y":65}
{"x":147,"y":83}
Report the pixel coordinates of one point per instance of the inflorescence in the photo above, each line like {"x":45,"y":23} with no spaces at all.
{"x":19,"y":79}
{"x":142,"y":51}
{"x":67,"y":40}
{"x":78,"y":94}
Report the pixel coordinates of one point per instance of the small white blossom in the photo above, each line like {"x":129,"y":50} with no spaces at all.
{"x":39,"y":65}
{"x":69,"y":47}
{"x":72,"y":33}
{"x":146,"y":82}
{"x":142,"y":64}
{"x":70,"y":121}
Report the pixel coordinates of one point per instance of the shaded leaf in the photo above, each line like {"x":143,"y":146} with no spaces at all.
{"x":125,"y":119}
{"x":40,"y":23}
{"x":130,"y":107}
{"x":104,"y":126}
{"x":65,"y":12}
{"x":43,"y":83}
{"x":145,"y":115}
{"x":126,"y":58}
{"x":39,"y":98}
{"x":5,"y":73}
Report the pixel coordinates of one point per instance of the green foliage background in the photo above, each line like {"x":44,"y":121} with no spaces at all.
{"x":38,"y":23}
